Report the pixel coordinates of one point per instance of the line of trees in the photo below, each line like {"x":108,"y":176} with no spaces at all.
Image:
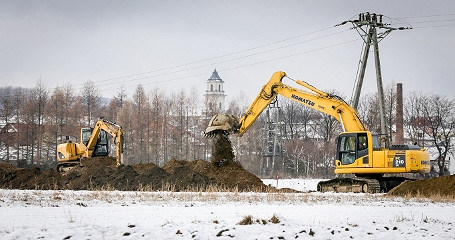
{"x":159,"y":126}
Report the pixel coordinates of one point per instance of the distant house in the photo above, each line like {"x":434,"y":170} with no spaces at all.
{"x":15,"y":141}
{"x":13,"y":134}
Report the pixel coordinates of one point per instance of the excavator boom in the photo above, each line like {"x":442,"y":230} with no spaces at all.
{"x":314,"y":98}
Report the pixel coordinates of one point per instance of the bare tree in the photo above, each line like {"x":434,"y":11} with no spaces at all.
{"x":194,"y":132}
{"x":301,"y":152}
{"x":6,"y":104}
{"x":55,"y":119}
{"x":368,"y":111}
{"x":125,"y":119}
{"x":6,"y":114}
{"x":182,"y":124}
{"x":415,"y":123}
{"x":292,"y":118}
{"x":157,"y":109}
{"x":117,"y":103}
{"x":33,"y":116}
{"x":439,"y":111}
{"x":91,"y":100}
{"x":140,"y":122}
{"x":69,"y":118}
{"x":390,"y":95}
{"x":297,"y":119}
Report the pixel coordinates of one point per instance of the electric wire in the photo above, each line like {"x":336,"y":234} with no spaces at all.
{"x":426,"y":16}
{"x":435,"y":26}
{"x":434,"y":21}
{"x":228,"y":60}
{"x":252,"y":54}
{"x":237,"y":67}
{"x":216,"y":57}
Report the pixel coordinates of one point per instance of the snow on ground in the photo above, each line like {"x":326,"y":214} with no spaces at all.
{"x":30,"y":214}
{"x":303,"y":185}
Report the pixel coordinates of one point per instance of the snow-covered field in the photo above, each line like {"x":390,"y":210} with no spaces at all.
{"x":303,"y":185}
{"x":168,"y":215}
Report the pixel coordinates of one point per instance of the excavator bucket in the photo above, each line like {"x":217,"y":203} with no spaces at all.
{"x":222,"y":123}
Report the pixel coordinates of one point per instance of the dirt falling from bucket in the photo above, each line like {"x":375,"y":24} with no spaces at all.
{"x":222,"y":153}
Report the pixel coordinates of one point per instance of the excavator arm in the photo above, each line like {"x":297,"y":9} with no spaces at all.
{"x":312,"y":97}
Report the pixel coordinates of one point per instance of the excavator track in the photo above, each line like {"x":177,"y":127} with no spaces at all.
{"x":356,"y":185}
{"x":66,"y":166}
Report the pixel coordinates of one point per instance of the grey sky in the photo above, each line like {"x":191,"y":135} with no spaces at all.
{"x":75,"y":41}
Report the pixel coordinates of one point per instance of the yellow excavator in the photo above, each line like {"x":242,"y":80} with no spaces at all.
{"x":94,"y":142}
{"x":358,"y":151}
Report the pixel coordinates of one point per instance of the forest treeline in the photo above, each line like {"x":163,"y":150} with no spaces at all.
{"x":159,"y":126}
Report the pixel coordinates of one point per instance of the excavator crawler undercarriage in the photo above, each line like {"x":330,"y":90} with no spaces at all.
{"x":361,"y":184}
{"x":357,"y":185}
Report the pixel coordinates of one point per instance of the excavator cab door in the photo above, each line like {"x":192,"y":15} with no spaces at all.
{"x":346,"y":149}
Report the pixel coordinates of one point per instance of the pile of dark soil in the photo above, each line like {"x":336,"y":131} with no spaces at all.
{"x":441,"y":186}
{"x":102,"y":173}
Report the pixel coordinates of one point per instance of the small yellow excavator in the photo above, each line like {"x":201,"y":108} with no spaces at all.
{"x":358,"y":151}
{"x":94,"y":143}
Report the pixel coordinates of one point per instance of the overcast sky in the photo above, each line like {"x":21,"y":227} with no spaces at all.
{"x":176,"y":45}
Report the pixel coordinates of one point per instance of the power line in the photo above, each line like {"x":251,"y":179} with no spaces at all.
{"x":436,"y":26}
{"x":229,"y":60}
{"x":237,"y":67}
{"x":136,"y":77}
{"x":435,"y":21}
{"x":216,"y":57}
{"x":427,"y":16}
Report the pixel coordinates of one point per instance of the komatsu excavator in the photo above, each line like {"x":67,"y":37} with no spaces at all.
{"x":94,"y":143}
{"x":358,"y":151}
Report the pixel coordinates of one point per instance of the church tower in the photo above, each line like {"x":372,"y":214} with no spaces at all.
{"x":214,"y":95}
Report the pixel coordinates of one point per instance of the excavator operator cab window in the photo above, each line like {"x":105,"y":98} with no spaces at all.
{"x":376,"y":145}
{"x":347,"y":149}
{"x":362,"y":149}
{"x":351,"y":147}
{"x":102,"y":144}
{"x":86,"y":133}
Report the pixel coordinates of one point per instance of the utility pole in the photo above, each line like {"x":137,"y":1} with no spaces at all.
{"x":372,"y":30}
{"x":272,"y":145}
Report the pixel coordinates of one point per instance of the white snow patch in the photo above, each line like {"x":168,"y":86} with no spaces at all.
{"x":29,"y":214}
{"x":299,"y":184}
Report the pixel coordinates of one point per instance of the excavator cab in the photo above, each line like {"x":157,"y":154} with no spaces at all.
{"x":102,"y":144}
{"x":355,"y":145}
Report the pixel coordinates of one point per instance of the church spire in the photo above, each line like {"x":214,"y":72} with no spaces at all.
{"x":215,"y":77}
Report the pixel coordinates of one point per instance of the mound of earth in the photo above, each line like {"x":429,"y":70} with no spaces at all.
{"x":102,"y":173}
{"x":441,"y":186}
